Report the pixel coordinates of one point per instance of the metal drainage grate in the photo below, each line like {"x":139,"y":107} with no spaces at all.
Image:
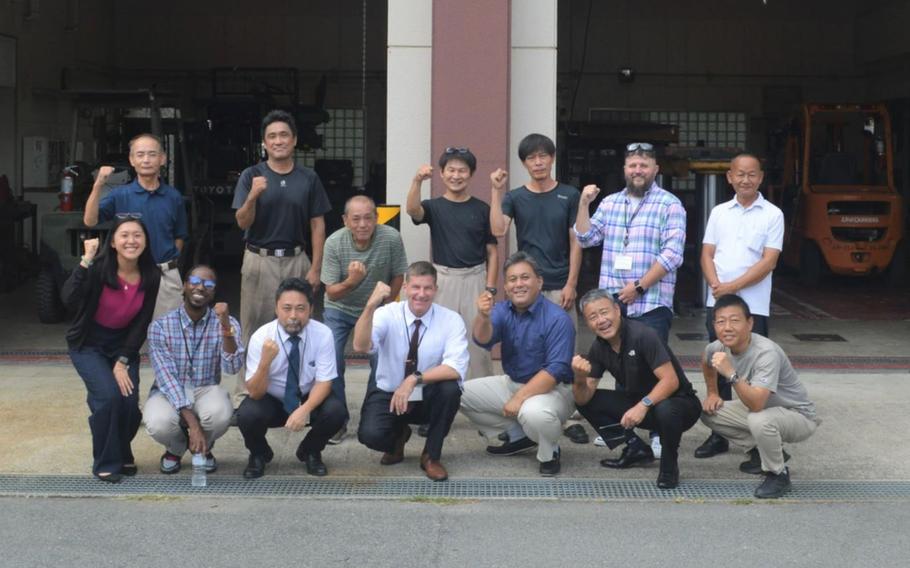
{"x":397,"y":488}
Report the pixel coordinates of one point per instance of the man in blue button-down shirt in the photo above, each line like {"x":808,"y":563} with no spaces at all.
{"x":160,"y":207}
{"x":533,"y":399}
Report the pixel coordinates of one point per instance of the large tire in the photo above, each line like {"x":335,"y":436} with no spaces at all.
{"x":47,"y":299}
{"x":811,"y":265}
{"x":897,"y":271}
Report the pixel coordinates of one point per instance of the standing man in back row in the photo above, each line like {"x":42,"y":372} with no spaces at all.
{"x":463,"y":247}
{"x":544,"y":211}
{"x":280,"y":206}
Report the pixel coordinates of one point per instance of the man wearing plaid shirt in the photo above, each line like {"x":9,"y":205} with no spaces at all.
{"x":643,"y":231}
{"x":190,"y":347}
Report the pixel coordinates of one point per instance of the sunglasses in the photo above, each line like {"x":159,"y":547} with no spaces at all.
{"x":639,"y":147}
{"x":128,"y":216}
{"x":456,"y":150}
{"x":196,"y":281}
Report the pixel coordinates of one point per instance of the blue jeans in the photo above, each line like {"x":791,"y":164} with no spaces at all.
{"x":341,"y":325}
{"x":114,"y":418}
{"x":659,"y":319}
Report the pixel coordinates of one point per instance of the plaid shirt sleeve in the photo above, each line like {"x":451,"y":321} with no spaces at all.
{"x":231,"y":363}
{"x":164,"y":364}
{"x":595,"y":234}
{"x":673,"y":237}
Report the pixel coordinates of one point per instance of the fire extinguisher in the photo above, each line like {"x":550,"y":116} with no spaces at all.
{"x":66,"y":188}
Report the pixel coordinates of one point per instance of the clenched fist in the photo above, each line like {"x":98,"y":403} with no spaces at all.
{"x":498,"y":179}
{"x":223,"y":314}
{"x":581,"y":366}
{"x":589,"y":194}
{"x":91,"y":249}
{"x":424,"y":173}
{"x":380,"y":293}
{"x":269,"y":350}
{"x":485,"y":303}
{"x":357,"y":271}
{"x":104,"y":172}
{"x":259,"y":185}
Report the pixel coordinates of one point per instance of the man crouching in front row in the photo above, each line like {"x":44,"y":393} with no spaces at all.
{"x":656,"y":394}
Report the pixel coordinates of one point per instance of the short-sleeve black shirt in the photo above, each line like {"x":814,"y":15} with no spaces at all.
{"x":460,"y":231}
{"x":284,"y":209}
{"x":641,"y":352}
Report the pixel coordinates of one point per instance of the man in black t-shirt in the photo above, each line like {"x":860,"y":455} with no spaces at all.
{"x":463,"y":247}
{"x":656,"y":393}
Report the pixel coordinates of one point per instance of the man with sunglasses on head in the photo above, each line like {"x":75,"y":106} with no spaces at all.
{"x":743,"y":239}
{"x":158,"y":205}
{"x":189,"y":348}
{"x":463,"y":247}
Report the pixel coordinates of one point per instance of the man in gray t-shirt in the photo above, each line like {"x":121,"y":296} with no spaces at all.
{"x":773,"y":406}
{"x":356,"y":257}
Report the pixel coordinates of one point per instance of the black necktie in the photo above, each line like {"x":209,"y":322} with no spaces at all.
{"x":292,"y":385}
{"x":410,"y":365}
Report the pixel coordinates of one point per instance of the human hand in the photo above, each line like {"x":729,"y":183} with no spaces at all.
{"x":223,"y":314}
{"x":581,"y":367}
{"x":269,"y":350}
{"x":357,"y":271}
{"x":722,"y":364}
{"x":634,"y":416}
{"x":712,"y":404}
{"x":258,"y":186}
{"x":104,"y":172}
{"x":91,"y":248}
{"x":379,"y":295}
{"x":485,"y":303}
{"x":628,"y":294}
{"x":589,"y":194}
{"x":425,"y":172}
{"x":122,"y":376}
{"x":196,"y":443}
{"x":498,"y":179}
{"x":399,"y":403}
{"x":512,"y":407}
{"x":567,"y":297}
{"x":297,"y":420}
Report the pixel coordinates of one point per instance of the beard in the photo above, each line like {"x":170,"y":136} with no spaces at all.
{"x":637,"y":186}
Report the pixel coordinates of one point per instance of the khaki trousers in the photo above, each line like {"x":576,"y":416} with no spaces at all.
{"x":170,"y":292}
{"x":554,"y":296}
{"x":162,"y":421}
{"x":766,"y":430}
{"x":541,"y":416}
{"x":459,"y":289}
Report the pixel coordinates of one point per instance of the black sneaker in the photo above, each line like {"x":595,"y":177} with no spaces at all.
{"x":753,"y":464}
{"x":774,"y":486}
{"x":715,"y":444}
{"x":512,"y":448}
{"x":550,"y":468}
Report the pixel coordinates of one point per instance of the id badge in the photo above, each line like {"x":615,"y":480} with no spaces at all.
{"x":416,"y":394}
{"x":190,"y":394}
{"x":623,"y":262}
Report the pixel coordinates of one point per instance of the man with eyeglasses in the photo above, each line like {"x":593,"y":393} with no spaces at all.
{"x":772,"y":405}
{"x":544,"y":210}
{"x":159,"y":206}
{"x":742,"y":242}
{"x":189,"y":348}
{"x":463,"y":247}
{"x":655,"y":392}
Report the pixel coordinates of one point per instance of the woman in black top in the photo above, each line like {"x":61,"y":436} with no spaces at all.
{"x":113,"y":294}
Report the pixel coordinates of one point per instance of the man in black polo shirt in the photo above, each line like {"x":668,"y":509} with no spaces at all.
{"x":463,"y":247}
{"x":656,"y":393}
{"x":280,"y":205}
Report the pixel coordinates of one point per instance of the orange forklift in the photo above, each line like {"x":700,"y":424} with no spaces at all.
{"x":834,"y":181}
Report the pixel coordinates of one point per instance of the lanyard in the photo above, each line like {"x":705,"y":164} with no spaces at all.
{"x":186,"y":344}
{"x":628,"y":220}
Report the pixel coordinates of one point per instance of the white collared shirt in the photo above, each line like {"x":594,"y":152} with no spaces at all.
{"x":443,"y":341}
{"x":317,"y":356}
{"x":741,"y":235}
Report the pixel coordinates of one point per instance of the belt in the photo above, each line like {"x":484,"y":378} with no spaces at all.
{"x":274,"y":252}
{"x":171,"y":264}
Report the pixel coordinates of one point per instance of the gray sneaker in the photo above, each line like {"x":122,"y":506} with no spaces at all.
{"x":339,"y":436}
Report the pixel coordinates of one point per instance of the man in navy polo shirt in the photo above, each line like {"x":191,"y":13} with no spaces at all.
{"x":160,"y":207}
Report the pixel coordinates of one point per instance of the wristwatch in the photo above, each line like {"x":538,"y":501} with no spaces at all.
{"x":419,"y":376}
{"x":639,"y":289}
{"x":647,"y":402}
{"x":734,"y":378}
{"x":124,"y":359}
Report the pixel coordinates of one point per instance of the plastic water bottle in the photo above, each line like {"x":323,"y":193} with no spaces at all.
{"x":198,"y":470}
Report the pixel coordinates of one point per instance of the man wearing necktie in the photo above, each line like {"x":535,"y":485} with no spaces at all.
{"x":422,"y":353}
{"x":289,"y":373}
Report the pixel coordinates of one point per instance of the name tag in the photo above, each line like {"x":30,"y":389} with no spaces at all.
{"x":623,"y":262}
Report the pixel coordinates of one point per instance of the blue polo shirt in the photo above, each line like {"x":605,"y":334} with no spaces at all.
{"x":163,"y":214}
{"x":542,"y":337}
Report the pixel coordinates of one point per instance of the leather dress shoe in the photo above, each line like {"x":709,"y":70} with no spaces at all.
{"x":397,"y":454}
{"x":433,"y":468}
{"x":512,"y":448}
{"x":109,"y":477}
{"x":774,"y":485}
{"x":552,"y":467}
{"x":668,"y":479}
{"x":753,"y":464}
{"x":255,"y":467}
{"x":715,"y":444}
{"x":314,"y":464}
{"x":631,"y":455}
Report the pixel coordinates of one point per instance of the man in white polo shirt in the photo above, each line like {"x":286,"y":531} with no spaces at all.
{"x":742,"y":242}
{"x":422,"y":352}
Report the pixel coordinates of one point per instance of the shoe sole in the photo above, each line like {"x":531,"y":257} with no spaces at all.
{"x":514,"y":452}
{"x":643,"y":461}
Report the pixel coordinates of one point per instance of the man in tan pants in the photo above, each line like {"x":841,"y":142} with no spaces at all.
{"x":773,"y":405}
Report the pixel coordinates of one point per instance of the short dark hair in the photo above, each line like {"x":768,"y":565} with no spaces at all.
{"x":295,"y":284}
{"x":518,"y":258}
{"x":463,"y":154}
{"x":420,"y":268}
{"x":732,"y":300}
{"x":197,"y":267}
{"x":535,"y":143}
{"x":148,"y":135}
{"x":279,"y":116}
{"x":595,"y":295}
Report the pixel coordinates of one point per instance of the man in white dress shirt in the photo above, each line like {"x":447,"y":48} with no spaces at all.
{"x":290,"y":366}
{"x":422,"y":349}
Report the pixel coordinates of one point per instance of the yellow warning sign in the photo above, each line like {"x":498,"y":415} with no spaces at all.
{"x":389,"y":215}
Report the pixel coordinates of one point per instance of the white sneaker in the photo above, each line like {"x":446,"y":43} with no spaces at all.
{"x":655,"y":446}
{"x":599,"y":442}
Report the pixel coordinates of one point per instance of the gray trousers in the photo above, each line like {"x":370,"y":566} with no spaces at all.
{"x":459,"y":289}
{"x":541,"y":416}
{"x":554,"y":296}
{"x":212,"y":406}
{"x":170,"y":292}
{"x":766,"y":430}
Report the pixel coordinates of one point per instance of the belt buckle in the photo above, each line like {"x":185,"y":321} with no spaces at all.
{"x":279,"y":252}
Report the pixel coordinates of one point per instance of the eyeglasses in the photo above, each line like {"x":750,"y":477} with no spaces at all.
{"x":129,"y":216}
{"x":456,"y":150}
{"x":196,"y":281}
{"x":639,"y":147}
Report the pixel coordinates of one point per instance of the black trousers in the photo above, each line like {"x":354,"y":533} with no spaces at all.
{"x":379,"y":428}
{"x":670,"y":418}
{"x":759,"y":326}
{"x":255,"y":417}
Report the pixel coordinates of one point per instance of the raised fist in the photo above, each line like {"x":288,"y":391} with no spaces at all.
{"x":498,"y":178}
{"x":425,"y":172}
{"x":91,"y":248}
{"x":269,"y":350}
{"x":259,"y":185}
{"x":221,"y":310}
{"x":357,"y":271}
{"x":581,"y":366}
{"x":104,"y":172}
{"x":380,"y":293}
{"x":485,"y":303}
{"x":589,"y":193}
